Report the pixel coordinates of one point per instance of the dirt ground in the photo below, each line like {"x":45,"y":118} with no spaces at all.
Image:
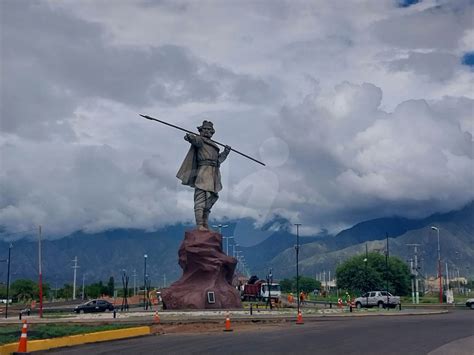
{"x":194,"y":328}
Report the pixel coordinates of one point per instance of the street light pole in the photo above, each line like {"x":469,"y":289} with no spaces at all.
{"x":439,"y":267}
{"x":297,"y":248}
{"x":40,"y":275}
{"x":8,"y":279}
{"x":386,"y":269}
{"x":144,"y":284}
{"x":227,"y":243}
{"x":220,"y":226}
{"x":366,"y":260}
{"x":269,"y":283}
{"x":235,"y":245}
{"x":75,"y":267}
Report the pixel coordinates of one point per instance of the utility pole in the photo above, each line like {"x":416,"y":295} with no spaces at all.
{"x":447,"y":279}
{"x":83,"y":284}
{"x":297,"y":249}
{"x":75,"y":267}
{"x":40,"y":275}
{"x":164,"y":280}
{"x":439,"y":267}
{"x":414,"y":269}
{"x":412,"y":272}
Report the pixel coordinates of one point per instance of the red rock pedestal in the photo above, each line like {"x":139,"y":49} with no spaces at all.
{"x":206,"y":269}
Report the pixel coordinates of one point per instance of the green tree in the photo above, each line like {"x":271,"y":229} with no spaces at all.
{"x":111,"y":286}
{"x":307,"y":284}
{"x":286,"y":285}
{"x":24,"y":290}
{"x":65,"y":292}
{"x":358,"y":276}
{"x":95,"y":290}
{"x":3,"y":291}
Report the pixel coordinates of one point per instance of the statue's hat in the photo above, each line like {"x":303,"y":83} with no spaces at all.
{"x":206,"y":124}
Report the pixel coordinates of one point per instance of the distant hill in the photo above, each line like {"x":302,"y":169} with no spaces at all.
{"x":99,"y":256}
{"x":106,"y":254}
{"x":456,"y":244}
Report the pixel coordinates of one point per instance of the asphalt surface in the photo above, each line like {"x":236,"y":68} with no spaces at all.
{"x":451,"y":333}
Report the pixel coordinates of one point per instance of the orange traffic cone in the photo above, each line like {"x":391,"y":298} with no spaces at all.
{"x":227,"y":325}
{"x":23,"y":339}
{"x":156,"y":318}
{"x":299,"y":318}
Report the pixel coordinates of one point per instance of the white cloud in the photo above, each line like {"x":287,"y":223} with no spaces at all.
{"x":360,"y":109}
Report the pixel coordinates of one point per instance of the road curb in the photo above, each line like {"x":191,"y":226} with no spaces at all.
{"x":72,"y":340}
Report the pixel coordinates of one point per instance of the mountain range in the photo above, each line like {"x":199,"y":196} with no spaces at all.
{"x":108,"y":253}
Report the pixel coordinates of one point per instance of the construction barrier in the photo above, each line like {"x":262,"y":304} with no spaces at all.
{"x":228,"y":327}
{"x":299,"y":318}
{"x":22,"y":344}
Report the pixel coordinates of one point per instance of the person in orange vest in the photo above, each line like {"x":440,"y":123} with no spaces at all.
{"x":290,"y":298}
{"x":348,"y":299}
{"x":302,"y":297}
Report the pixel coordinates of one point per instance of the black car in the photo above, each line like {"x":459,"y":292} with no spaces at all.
{"x":94,"y":306}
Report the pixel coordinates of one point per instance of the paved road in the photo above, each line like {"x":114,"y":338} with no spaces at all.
{"x":451,"y":333}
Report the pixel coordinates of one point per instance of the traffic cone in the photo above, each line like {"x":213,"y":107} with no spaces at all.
{"x":22,"y":344}
{"x":156,"y":318}
{"x":299,"y":318}
{"x":227,"y":324}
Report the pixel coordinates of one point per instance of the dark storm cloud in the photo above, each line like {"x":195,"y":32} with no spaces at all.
{"x":57,"y":60}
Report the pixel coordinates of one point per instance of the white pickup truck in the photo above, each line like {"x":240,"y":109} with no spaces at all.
{"x":379,"y":299}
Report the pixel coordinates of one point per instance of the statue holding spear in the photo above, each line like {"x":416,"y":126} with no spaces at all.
{"x":200,"y":169}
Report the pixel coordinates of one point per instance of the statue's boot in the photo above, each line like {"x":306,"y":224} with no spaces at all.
{"x":205,"y":219}
{"x":199,"y":215}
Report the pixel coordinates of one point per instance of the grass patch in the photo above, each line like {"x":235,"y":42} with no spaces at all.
{"x":11,"y":333}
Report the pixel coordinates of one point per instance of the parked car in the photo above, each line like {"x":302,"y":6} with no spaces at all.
{"x":94,"y":306}
{"x":379,"y":299}
{"x":470,"y":303}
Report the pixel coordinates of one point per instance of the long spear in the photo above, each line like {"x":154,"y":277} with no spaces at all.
{"x":185,"y":130}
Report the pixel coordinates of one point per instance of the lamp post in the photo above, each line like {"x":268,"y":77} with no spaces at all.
{"x":297,"y":249}
{"x":144,"y":283}
{"x":439,"y":267}
{"x":8,"y":278}
{"x":235,"y":245}
{"x":386,"y":269}
{"x":40,"y":275}
{"x":227,"y":243}
{"x":269,"y":283}
{"x":366,"y":260}
{"x":220,"y":226}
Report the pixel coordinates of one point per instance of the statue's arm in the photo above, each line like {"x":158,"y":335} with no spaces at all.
{"x":224,"y":154}
{"x":194,"y":140}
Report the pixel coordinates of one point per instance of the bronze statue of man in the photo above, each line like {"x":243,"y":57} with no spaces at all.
{"x":200,"y":169}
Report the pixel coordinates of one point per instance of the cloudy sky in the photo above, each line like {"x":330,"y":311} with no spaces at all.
{"x":360,"y":109}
